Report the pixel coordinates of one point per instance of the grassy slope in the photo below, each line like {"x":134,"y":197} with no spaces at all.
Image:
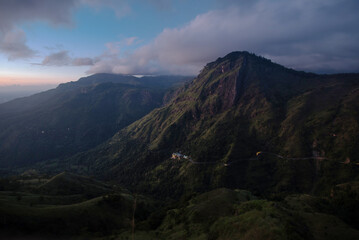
{"x":254,"y":105}
{"x":69,"y":184}
{"x":219,"y":214}
{"x":95,"y":215}
{"x":70,"y":211}
{"x":76,"y":116}
{"x":228,"y":214}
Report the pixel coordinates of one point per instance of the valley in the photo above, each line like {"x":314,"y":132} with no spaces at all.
{"x":248,"y":149}
{"x":87,"y":208}
{"x":179,"y":120}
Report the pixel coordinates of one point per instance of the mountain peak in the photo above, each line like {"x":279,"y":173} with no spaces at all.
{"x":238,"y":105}
{"x":238,"y":56}
{"x":234,"y":56}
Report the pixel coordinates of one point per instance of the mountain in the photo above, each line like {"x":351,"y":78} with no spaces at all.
{"x":305,"y":124}
{"x":76,"y":116}
{"x":288,"y":138}
{"x":155,"y":82}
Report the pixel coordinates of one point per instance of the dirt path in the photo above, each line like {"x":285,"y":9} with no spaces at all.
{"x":256,"y":158}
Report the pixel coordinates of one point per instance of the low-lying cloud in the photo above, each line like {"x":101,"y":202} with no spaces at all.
{"x":62,"y":58}
{"x":319,"y":36}
{"x":82,"y":62}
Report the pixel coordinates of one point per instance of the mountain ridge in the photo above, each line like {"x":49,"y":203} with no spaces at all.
{"x":238,"y":105}
{"x":75,"y":116}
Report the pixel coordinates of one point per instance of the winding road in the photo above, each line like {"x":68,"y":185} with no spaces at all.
{"x":256,"y":158}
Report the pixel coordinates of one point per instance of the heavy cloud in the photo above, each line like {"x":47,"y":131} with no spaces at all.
{"x":12,"y":12}
{"x":13,"y":44}
{"x":319,"y":36}
{"x":13,"y":40}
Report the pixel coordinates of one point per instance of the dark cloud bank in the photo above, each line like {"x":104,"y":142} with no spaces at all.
{"x":319,"y":36}
{"x":12,"y":39}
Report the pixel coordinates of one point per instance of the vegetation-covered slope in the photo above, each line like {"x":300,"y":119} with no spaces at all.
{"x":75,"y":213}
{"x":70,"y":184}
{"x":75,"y":116}
{"x":67,"y":206}
{"x":227,"y":214}
{"x":237,"y":106}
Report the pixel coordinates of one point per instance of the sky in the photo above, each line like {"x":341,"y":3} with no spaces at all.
{"x":52,"y":41}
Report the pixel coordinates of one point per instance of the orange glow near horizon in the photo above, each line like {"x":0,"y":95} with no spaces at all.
{"x":23,"y":79}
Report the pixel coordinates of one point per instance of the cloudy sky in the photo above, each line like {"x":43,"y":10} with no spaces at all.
{"x":52,"y":41}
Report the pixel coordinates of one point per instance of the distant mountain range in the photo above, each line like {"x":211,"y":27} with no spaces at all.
{"x":76,"y":116}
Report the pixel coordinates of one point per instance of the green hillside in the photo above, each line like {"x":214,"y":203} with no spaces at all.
{"x":218,"y":214}
{"x":289,"y":138}
{"x":69,"y":206}
{"x":239,"y":105}
{"x":76,"y":116}
{"x":237,"y":214}
{"x":69,"y":184}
